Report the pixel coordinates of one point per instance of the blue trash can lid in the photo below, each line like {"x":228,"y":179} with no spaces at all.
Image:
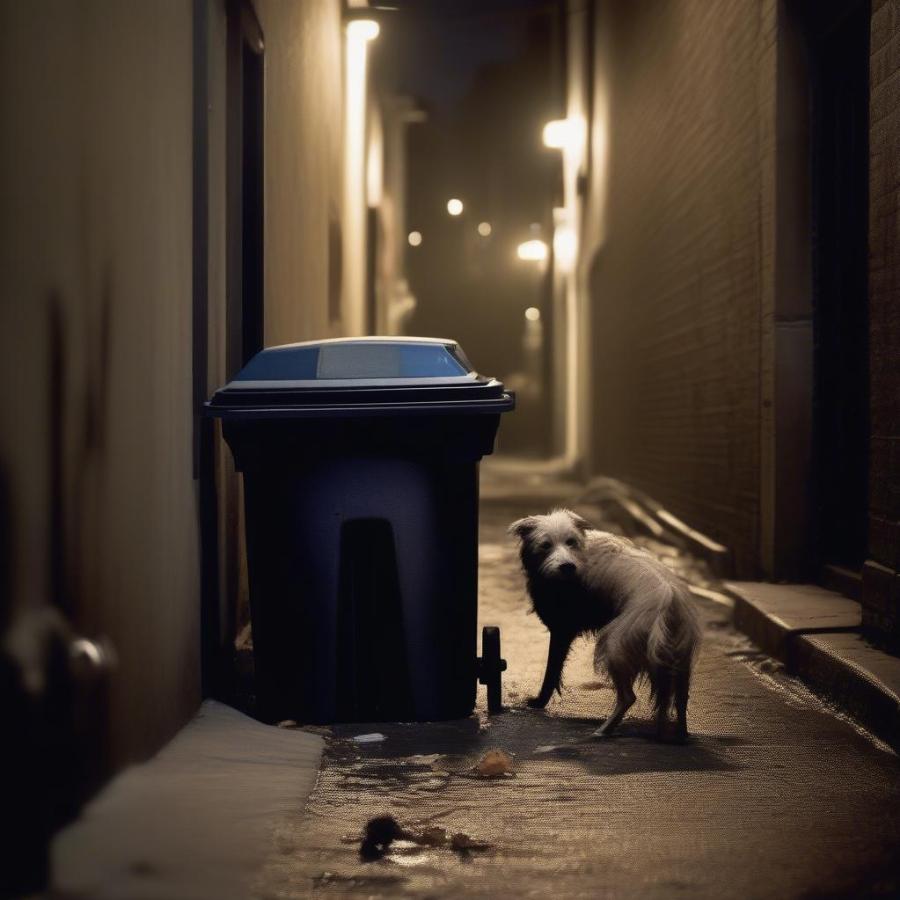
{"x":359,"y":376}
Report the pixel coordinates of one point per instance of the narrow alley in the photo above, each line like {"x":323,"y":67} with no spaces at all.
{"x":752,"y":807}
{"x":305,"y":302}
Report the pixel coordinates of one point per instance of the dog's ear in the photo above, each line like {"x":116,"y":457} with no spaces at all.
{"x":581,"y":524}
{"x":521,"y":528}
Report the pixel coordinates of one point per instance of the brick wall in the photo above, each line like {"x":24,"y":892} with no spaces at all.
{"x":676,"y":289}
{"x":881,"y":582}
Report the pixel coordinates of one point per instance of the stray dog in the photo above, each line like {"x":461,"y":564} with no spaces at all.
{"x":585,"y":581}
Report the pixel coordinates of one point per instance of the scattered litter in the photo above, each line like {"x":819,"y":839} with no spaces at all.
{"x":494,"y":764}
{"x":287,"y":723}
{"x":380,"y":833}
{"x":435,"y":836}
{"x":372,"y":738}
{"x":461,"y":841}
{"x":547,"y":748}
{"x":423,"y":759}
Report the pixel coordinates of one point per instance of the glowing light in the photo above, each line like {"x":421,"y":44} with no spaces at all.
{"x":358,"y":34}
{"x":562,"y":134}
{"x":534,"y":250}
{"x":414,"y":238}
{"x":565,"y":246}
{"x":363,"y":29}
{"x":454,"y":206}
{"x":484,"y":229}
{"x":533,"y":314}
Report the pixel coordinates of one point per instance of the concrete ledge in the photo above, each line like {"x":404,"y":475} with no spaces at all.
{"x":772,"y":614}
{"x":856,"y":677}
{"x":815,"y":633}
{"x":197,"y":820}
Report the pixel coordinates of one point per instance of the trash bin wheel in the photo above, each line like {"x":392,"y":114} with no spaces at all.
{"x":491,"y":666}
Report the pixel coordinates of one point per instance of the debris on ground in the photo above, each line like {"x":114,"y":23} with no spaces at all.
{"x":382,"y":831}
{"x":287,"y":723}
{"x":422,"y":759}
{"x":494,"y":764}
{"x":373,"y":738}
{"x":462,"y":841}
{"x":435,"y":836}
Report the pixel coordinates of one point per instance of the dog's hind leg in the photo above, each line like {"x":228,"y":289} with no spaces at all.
{"x":625,"y":698}
{"x":662,"y":679}
{"x":682,"y":688}
{"x":560,"y":642}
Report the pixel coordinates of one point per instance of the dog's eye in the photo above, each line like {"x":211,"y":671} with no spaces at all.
{"x":572,"y":542}
{"x":545,"y":545}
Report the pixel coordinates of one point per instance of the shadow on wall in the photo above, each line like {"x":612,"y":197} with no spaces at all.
{"x":53,"y":683}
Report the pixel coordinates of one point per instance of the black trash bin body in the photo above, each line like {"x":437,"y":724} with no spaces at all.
{"x":360,"y":470}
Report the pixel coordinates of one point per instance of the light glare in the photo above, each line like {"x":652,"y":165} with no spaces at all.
{"x":414,"y":238}
{"x":454,"y":206}
{"x":363,"y":29}
{"x":534,"y":250}
{"x":533,"y":314}
{"x":561,"y":134}
{"x":484,"y":229}
{"x":565,"y":246}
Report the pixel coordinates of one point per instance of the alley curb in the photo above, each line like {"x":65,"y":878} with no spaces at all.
{"x":824,"y":650}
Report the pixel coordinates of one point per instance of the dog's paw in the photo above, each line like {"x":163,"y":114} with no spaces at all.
{"x":536,"y":703}
{"x":601,"y":735}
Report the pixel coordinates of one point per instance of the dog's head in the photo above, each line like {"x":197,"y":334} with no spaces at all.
{"x":552,"y":546}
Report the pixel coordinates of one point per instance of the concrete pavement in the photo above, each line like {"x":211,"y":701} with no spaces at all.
{"x":775,"y":795}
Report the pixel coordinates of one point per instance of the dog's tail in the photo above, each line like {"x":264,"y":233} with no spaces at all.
{"x":658,"y":630}
{"x":674,"y":635}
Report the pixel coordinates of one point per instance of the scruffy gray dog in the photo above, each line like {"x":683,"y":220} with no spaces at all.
{"x":587,"y":581}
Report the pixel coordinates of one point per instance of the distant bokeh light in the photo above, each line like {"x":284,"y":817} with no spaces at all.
{"x":533,"y":314}
{"x":534,"y":250}
{"x":363,"y":29}
{"x":565,"y":246}
{"x":414,"y":238}
{"x":454,"y":206}
{"x":484,"y":229}
{"x":563,"y":134}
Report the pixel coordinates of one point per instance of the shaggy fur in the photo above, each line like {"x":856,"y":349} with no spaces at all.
{"x":585,"y":581}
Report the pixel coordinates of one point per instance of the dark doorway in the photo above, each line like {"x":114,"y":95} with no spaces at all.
{"x":245,"y":189}
{"x":839,"y":57}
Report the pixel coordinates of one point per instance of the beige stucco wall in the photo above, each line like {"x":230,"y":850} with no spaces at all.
{"x":303,"y":163}
{"x":96,"y":221}
{"x":97,"y":230}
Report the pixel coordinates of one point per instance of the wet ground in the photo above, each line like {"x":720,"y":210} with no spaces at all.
{"x":774,"y":795}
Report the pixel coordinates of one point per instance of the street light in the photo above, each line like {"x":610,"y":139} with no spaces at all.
{"x":565,"y":246}
{"x":533,"y":251}
{"x":363,"y":29}
{"x":563,"y":134}
{"x":360,"y":28}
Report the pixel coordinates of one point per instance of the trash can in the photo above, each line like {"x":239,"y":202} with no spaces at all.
{"x":360,"y":467}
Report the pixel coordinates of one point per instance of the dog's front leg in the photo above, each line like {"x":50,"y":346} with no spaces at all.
{"x":560,"y":642}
